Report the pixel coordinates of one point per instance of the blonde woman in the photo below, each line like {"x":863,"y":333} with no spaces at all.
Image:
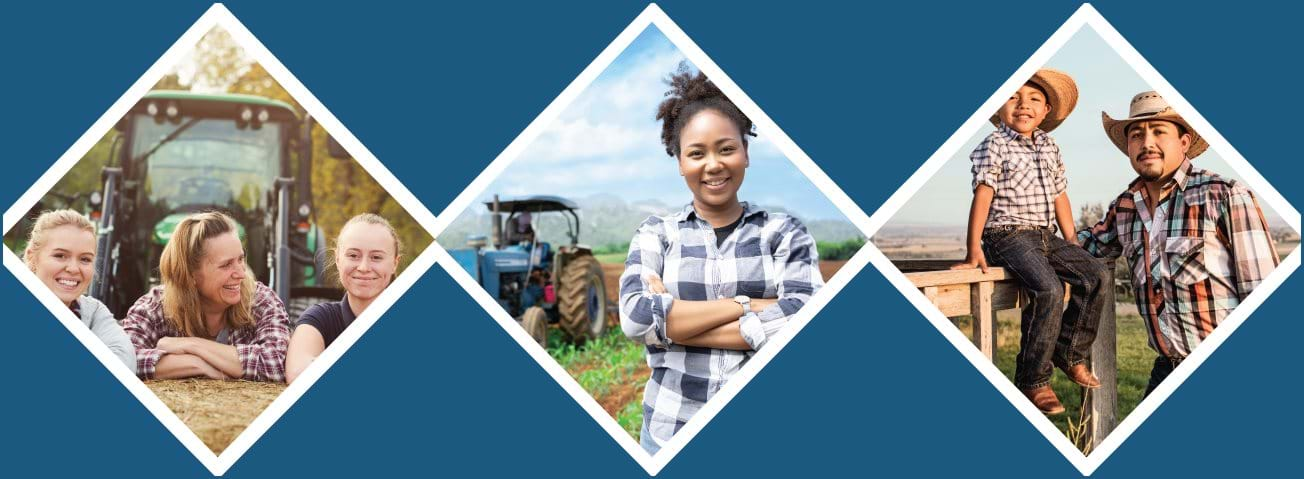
{"x":61,"y":252}
{"x":366,"y":259}
{"x":209,"y":318}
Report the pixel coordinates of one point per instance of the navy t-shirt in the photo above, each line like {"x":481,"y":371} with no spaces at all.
{"x":330,"y":319}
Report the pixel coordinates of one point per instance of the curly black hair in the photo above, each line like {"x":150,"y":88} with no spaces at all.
{"x":689,"y":94}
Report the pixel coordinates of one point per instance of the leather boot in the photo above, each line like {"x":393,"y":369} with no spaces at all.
{"x":1081,"y":375}
{"x":1045,"y":399}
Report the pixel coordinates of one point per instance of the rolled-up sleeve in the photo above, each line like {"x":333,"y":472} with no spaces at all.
{"x":798,"y":277}
{"x":263,"y":359}
{"x":642,"y":312}
{"x":1101,"y":240}
{"x":143,"y":325}
{"x":987,"y":163}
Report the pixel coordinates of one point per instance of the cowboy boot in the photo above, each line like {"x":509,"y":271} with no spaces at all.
{"x":1083,"y":376}
{"x":1045,"y":400}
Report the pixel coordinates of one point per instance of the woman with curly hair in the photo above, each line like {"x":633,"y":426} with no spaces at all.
{"x":209,"y":318}
{"x":708,"y":286}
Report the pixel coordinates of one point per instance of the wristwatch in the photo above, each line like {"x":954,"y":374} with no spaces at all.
{"x":746,"y":303}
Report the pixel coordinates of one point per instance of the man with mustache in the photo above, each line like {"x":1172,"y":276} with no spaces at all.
{"x":1197,"y":243}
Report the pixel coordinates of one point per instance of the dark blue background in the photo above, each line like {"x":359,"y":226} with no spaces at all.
{"x":437,"y":92}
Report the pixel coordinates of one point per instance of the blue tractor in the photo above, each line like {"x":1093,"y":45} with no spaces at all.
{"x":538,"y":283}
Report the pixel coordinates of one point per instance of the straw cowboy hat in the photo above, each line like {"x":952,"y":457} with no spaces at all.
{"x":1061,"y":95}
{"x":1150,"y":106}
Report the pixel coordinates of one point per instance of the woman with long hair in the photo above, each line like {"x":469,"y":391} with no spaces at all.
{"x":61,"y":252}
{"x":706,"y":287}
{"x":209,"y":318}
{"x":365,"y":260}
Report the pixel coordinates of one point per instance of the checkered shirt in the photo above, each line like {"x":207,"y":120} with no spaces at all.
{"x":1027,"y":175}
{"x":769,"y":255}
{"x":261,"y":348}
{"x":1194,"y":259}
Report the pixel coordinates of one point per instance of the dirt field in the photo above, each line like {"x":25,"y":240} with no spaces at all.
{"x":217,"y":411}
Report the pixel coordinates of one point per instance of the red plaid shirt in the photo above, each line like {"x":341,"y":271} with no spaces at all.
{"x":1194,"y":259}
{"x":261,"y":348}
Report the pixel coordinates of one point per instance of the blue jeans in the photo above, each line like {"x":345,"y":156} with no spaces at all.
{"x":1051,"y":334}
{"x":1163,"y":367}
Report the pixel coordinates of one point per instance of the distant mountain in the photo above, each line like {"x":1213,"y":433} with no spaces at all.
{"x":607,"y":220}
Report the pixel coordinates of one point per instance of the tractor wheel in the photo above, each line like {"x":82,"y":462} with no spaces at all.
{"x":582,"y":298}
{"x":296,"y":306}
{"x":535,"y":322}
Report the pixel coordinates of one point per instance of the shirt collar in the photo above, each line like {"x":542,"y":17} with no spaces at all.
{"x":1038,"y":136}
{"x":689,"y":212}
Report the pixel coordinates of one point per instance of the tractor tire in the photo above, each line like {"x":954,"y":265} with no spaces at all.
{"x":582,"y":298}
{"x":535,"y":323}
{"x":296,"y":306}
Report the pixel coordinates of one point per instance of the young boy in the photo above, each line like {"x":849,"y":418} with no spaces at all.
{"x":1019,"y":197}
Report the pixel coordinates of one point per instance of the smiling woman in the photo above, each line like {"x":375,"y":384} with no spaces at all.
{"x":61,"y":252}
{"x":209,"y":318}
{"x":706,"y":287}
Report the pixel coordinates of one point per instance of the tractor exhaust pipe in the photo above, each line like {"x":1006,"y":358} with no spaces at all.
{"x":497,"y":226}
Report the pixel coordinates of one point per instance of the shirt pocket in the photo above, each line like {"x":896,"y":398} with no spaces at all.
{"x":1186,"y":260}
{"x":1020,"y":174}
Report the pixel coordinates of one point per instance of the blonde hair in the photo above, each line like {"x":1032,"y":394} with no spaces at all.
{"x":365,"y":218}
{"x":181,"y":259}
{"x":50,"y":220}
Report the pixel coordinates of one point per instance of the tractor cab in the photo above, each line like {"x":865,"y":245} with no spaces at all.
{"x":177,"y":153}
{"x":535,"y":281}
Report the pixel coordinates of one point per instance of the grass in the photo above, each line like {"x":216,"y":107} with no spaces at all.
{"x":612,"y":258}
{"x":610,"y":368}
{"x":1135,"y":359}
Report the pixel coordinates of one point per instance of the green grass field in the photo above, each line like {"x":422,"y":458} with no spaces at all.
{"x":1135,"y":359}
{"x":612,"y":258}
{"x":612,"y":370}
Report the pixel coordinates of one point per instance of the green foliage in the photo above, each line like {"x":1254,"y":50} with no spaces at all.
{"x":606,"y":367}
{"x":839,"y":251}
{"x":1134,"y":358}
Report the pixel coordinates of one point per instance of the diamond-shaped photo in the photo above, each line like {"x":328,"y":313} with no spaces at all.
{"x":216,"y":239}
{"x":1086,"y":232}
{"x":651,"y":235}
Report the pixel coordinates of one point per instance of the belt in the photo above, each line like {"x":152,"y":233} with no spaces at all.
{"x":1021,"y":228}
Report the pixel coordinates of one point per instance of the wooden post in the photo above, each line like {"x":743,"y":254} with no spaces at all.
{"x":984,"y":318}
{"x":1103,"y":401}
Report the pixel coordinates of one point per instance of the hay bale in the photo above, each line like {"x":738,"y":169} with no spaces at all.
{"x":216,"y":411}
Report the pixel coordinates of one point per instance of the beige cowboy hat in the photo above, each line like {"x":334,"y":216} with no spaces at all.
{"x":1149,"y":105}
{"x":1061,"y":95}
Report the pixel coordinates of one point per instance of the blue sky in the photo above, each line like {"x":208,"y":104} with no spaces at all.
{"x":1097,"y":170}
{"x":608,"y":142}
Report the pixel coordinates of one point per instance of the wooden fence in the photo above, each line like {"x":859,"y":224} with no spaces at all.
{"x":973,"y":293}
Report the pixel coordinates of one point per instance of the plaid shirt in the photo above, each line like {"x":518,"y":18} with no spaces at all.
{"x":1027,"y":175}
{"x":261,"y":348}
{"x":769,"y":255}
{"x":1198,"y":255}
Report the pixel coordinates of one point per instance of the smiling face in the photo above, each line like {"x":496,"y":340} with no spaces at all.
{"x":712,"y":158}
{"x":1156,"y":148}
{"x":1025,"y":110}
{"x":65,"y":262}
{"x":221,"y":273}
{"x":366,"y":260}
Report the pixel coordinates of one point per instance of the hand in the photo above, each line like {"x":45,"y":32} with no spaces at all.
{"x":173,"y":345}
{"x":975,"y":259}
{"x":654,"y":284}
{"x":210,"y":372}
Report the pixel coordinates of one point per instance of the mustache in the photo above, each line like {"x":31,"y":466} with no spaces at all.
{"x":1149,"y":151}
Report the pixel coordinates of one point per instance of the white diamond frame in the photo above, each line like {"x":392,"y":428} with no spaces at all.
{"x":219,"y":16}
{"x":654,"y":16}
{"x":1085,"y":16}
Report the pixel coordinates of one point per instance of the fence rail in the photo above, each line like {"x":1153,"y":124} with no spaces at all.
{"x":980,"y":295}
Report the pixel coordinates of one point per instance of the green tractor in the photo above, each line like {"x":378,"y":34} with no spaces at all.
{"x":176,"y":153}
